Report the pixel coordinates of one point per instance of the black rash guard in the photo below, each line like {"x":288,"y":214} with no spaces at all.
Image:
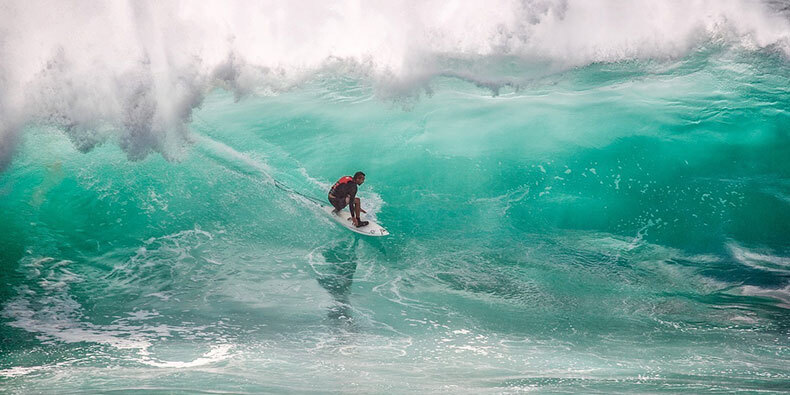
{"x":342,"y":191}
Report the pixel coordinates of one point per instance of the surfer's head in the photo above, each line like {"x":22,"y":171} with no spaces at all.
{"x":359,"y":177}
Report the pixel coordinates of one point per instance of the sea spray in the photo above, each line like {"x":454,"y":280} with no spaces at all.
{"x":135,"y":71}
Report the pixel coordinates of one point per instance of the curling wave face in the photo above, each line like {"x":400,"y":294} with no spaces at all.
{"x":581,"y":197}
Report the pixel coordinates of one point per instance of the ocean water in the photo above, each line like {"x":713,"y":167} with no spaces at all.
{"x":587,"y":197}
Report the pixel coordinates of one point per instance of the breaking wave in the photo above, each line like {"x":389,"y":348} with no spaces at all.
{"x":133,"y":72}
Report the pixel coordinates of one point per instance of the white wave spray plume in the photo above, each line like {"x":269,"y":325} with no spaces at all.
{"x":134,"y":71}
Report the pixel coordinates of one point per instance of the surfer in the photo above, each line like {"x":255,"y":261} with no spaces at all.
{"x":344,"y":192}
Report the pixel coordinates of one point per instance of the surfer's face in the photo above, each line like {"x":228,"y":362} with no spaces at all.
{"x":359,"y":180}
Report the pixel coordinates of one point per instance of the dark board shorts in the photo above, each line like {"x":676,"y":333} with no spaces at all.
{"x":339,"y":204}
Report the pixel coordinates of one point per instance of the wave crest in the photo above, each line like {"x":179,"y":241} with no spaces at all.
{"x":135,"y":71}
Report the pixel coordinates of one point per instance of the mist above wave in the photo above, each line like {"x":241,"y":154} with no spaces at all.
{"x":134,"y":71}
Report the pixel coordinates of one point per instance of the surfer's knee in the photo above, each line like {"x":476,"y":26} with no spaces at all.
{"x":356,"y":200}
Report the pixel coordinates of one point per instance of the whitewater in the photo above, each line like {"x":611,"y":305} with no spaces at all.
{"x":582,"y":196}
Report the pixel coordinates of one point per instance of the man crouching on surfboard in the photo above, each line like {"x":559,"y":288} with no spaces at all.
{"x":344,"y":192}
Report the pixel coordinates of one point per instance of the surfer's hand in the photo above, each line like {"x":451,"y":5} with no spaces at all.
{"x":360,"y":209}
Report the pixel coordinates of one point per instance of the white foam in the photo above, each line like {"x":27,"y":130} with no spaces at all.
{"x":217,"y":353}
{"x":55,"y":322}
{"x":23,"y":370}
{"x":782,"y":295}
{"x":46,"y":309}
{"x":759,"y":260}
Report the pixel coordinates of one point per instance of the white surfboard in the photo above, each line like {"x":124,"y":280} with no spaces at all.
{"x":344,"y":218}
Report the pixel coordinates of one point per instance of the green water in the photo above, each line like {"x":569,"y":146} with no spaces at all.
{"x":619,"y":227}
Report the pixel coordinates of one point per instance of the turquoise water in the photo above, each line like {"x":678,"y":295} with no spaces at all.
{"x":612,"y":227}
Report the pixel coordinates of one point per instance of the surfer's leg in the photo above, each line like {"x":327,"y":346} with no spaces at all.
{"x":357,"y":208}
{"x":338,"y":204}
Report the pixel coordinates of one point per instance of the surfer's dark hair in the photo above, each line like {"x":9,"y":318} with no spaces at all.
{"x":357,"y":174}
